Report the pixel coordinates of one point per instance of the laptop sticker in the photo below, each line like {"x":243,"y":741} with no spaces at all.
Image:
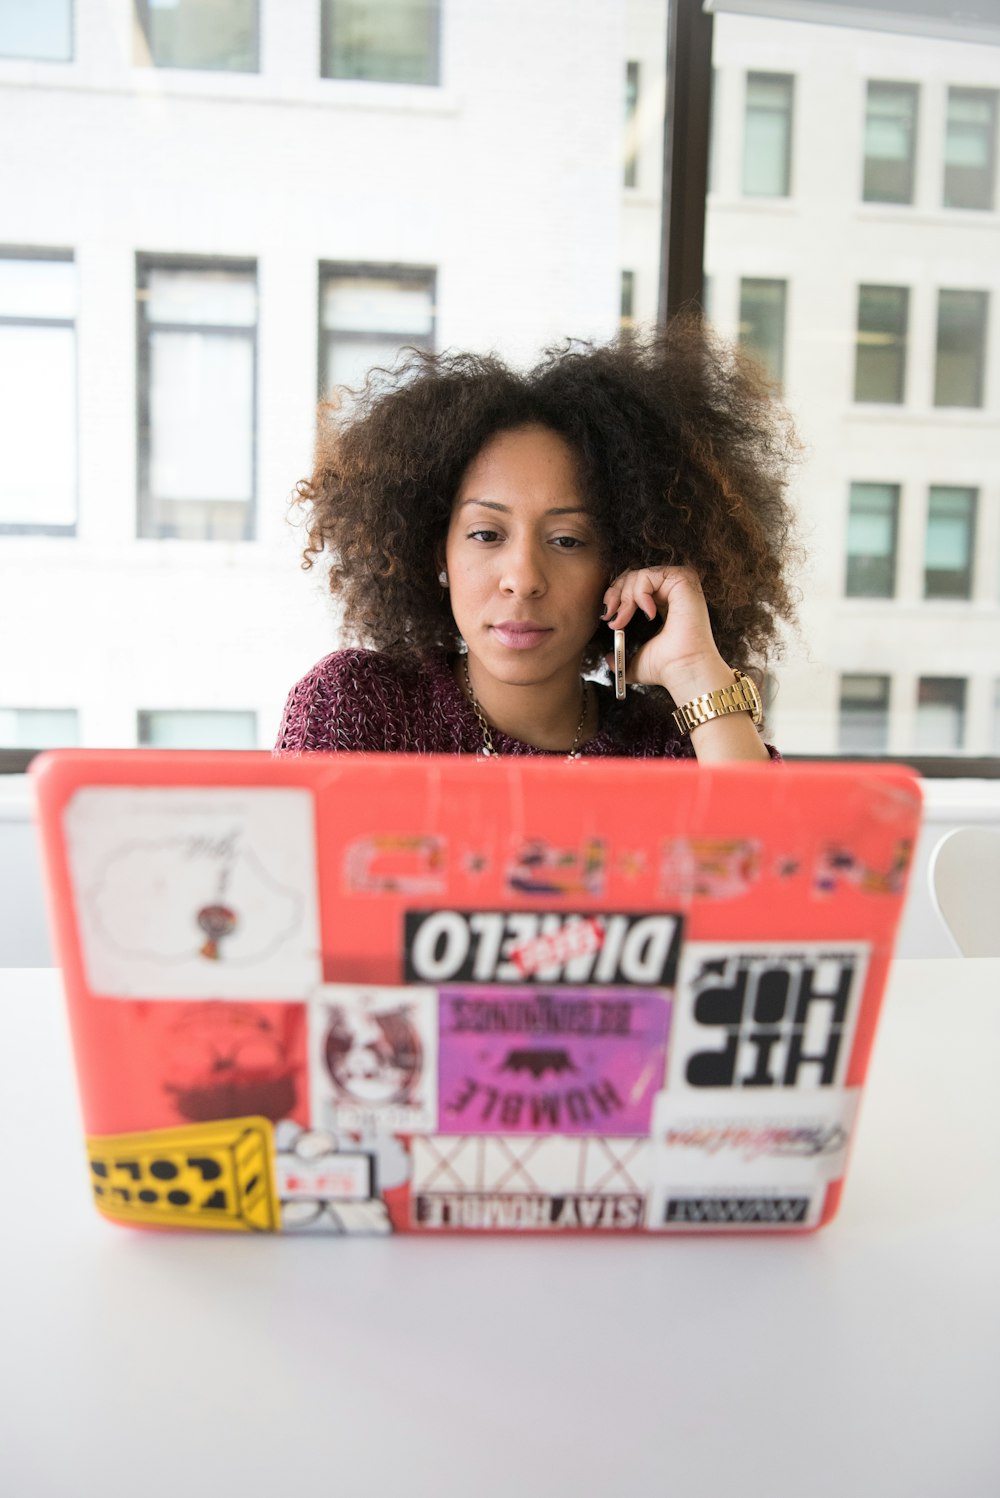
{"x":710,"y":868}
{"x":374,"y":1058}
{"x":569,"y":1060}
{"x":540,"y":1184}
{"x":324,"y":1187}
{"x":196,"y":892}
{"x":746,"y":1148}
{"x":765,"y":1015}
{"x":445,"y":946}
{"x":214,"y":1175}
{"x":539,"y":867}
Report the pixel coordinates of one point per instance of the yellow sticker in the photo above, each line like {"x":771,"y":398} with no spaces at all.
{"x":211,"y":1175}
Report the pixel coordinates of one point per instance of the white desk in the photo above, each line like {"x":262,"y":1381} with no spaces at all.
{"x":860,"y":1360}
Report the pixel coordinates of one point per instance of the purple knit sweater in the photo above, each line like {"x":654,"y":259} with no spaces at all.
{"x":359,"y":699}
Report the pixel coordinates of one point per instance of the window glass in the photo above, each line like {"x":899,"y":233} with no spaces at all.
{"x":626,"y":318}
{"x":767,"y":141}
{"x":194,"y":728}
{"x":871,"y":540}
{"x":951,"y":523}
{"x":940,"y":714}
{"x":38,"y":29}
{"x":631,"y":124}
{"x":961,"y":340}
{"x":197,"y":436}
{"x":38,"y":458}
{"x":39,"y":728}
{"x":864,"y":714}
{"x":890,"y":142}
{"x":367,"y":316}
{"x":970,"y":148}
{"x":880,"y":359}
{"x":216,"y":34}
{"x":762,"y":324}
{"x":384,"y":41}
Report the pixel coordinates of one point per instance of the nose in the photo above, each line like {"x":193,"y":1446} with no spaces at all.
{"x":523,"y":574}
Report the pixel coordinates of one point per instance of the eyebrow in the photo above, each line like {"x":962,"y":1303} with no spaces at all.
{"x":491,"y":504}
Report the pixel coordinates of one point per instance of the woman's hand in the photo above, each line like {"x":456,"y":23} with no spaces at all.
{"x":683,"y":656}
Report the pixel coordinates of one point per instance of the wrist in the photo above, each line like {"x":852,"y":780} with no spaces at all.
{"x":693,"y":678}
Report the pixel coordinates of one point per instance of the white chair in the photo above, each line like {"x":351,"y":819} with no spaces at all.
{"x":964,"y":873}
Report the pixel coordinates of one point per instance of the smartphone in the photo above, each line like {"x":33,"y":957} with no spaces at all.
{"x":619,"y":635}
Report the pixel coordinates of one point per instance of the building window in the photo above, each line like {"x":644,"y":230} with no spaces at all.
{"x":951,"y":534}
{"x":37,"y":392}
{"x":880,"y":362}
{"x":864,"y":714}
{"x":197,"y":729}
{"x":961,"y":345}
{"x":872,"y":527}
{"x":631,"y":124}
{"x":940,"y":714}
{"x":220,"y":35}
{"x":39,"y":728}
{"x":970,"y":148}
{"x":197,"y":383}
{"x":393,"y":41}
{"x":762,"y":324}
{"x":367,"y":314}
{"x":890,"y":142}
{"x":41,"y":30}
{"x":626,"y":316}
{"x":767,"y":142}
{"x":996,"y":717}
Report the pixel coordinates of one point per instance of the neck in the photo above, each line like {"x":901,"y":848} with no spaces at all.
{"x":543,"y":714}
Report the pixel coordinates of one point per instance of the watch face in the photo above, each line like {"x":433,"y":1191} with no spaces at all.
{"x":753,"y":695}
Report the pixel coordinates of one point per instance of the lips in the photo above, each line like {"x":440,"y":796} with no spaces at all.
{"x":518,"y":635}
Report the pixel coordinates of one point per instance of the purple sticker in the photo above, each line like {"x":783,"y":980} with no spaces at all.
{"x":550,"y":1061}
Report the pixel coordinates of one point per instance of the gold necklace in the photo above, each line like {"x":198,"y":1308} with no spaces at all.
{"x":488,"y":745}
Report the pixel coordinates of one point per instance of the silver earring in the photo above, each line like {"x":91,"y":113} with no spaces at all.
{"x":443,"y":578}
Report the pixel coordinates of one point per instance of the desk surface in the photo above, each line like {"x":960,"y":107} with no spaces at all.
{"x":862,"y":1359}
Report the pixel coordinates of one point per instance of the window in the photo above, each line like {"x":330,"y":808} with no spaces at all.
{"x":880,"y":364}
{"x":37,"y":392}
{"x":767,"y":142}
{"x":392,"y":41}
{"x":864,"y":714}
{"x":871,"y":540}
{"x":197,"y":729}
{"x":37,"y":29}
{"x":197,"y":381}
{"x":762,"y":324}
{"x":961,"y":340}
{"x":940,"y":714}
{"x":626,"y":316}
{"x":890,"y":142}
{"x":39,"y":728}
{"x":216,"y":34}
{"x":631,"y":124}
{"x":951,"y":531}
{"x":970,"y":146}
{"x":367,"y":314}
{"x":996,"y":717}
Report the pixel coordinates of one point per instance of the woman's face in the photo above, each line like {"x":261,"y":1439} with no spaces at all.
{"x":523,"y":556}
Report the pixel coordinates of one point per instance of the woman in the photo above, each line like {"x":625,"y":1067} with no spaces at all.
{"x":487,"y":529}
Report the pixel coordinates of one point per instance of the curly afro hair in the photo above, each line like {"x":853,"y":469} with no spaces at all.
{"x":683,"y":459}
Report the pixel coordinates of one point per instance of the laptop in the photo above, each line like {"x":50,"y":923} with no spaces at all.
{"x":373,"y":994}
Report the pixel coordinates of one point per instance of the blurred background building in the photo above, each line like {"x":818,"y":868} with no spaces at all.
{"x":212,"y":211}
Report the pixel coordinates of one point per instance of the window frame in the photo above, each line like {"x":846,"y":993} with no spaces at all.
{"x":777,"y":377}
{"x":51,"y":61}
{"x":982,"y":324}
{"x":141,"y":14}
{"x":903,"y":340}
{"x":365,"y":270}
{"x":788,"y":81}
{"x":64,"y":256}
{"x":994,"y":97}
{"x":325,"y":29}
{"x":146,"y":261}
{"x":899,"y":88}
{"x":879,"y":676}
{"x":896,"y":489}
{"x":970,"y":566}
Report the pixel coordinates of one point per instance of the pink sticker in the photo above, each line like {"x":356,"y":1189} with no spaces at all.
{"x":543,"y":1061}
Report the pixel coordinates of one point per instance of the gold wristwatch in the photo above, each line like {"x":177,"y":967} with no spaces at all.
{"x":741,"y":697}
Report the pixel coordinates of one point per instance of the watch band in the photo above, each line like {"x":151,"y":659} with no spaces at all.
{"x":741,"y":697}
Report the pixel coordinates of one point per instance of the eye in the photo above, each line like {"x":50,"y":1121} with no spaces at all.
{"x":483,"y":534}
{"x":567,"y":543}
